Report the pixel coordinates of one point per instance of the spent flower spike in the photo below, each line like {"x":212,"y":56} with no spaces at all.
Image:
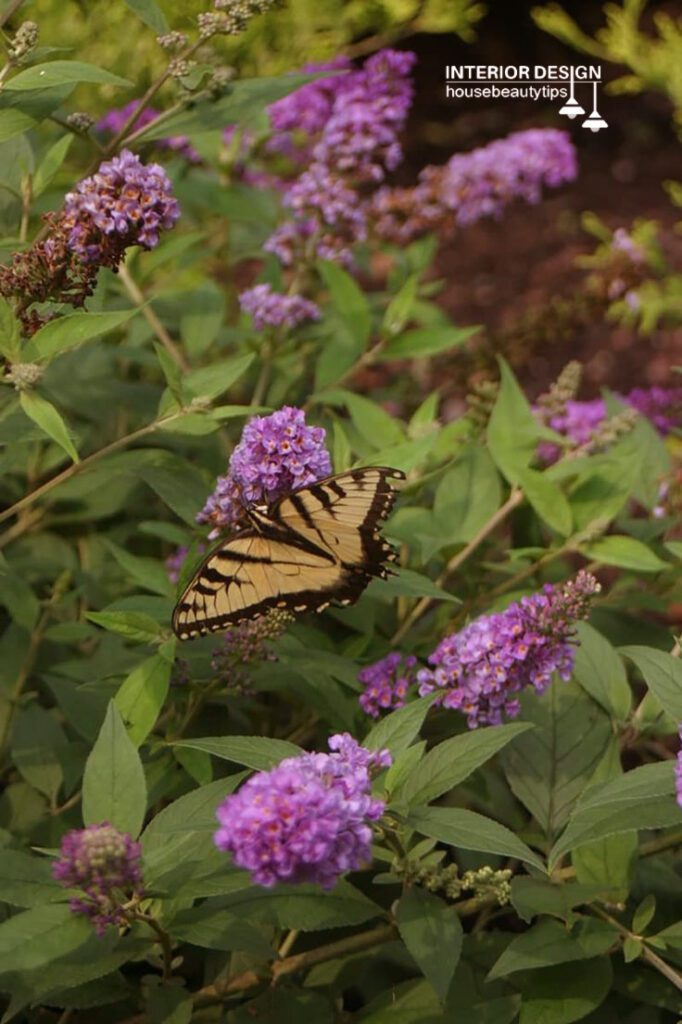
{"x":104,"y":864}
{"x":307,"y":820}
{"x":276,"y":454}
{"x":481,"y":670}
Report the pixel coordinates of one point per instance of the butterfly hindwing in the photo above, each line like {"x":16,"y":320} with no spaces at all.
{"x":317,"y":545}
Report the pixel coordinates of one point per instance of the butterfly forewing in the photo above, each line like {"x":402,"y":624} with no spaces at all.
{"x":319,"y":544}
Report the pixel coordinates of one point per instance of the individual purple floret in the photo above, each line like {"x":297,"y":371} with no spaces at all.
{"x":308,"y":819}
{"x":105,"y":864}
{"x":276,"y":454}
{"x":124,"y":203}
{"x":387,"y":683}
{"x":114,"y":121}
{"x":482,"y":669}
{"x":274,"y":309}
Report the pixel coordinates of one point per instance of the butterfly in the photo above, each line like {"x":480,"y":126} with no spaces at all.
{"x":319,"y":544}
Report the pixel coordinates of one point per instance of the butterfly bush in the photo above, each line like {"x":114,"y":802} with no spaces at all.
{"x":276,"y":454}
{"x":105,"y":864}
{"x":387,"y":683}
{"x":307,"y":820}
{"x":125,"y":203}
{"x":478,"y":184}
{"x":481,"y":669}
{"x":579,"y":421}
{"x":273,"y":309}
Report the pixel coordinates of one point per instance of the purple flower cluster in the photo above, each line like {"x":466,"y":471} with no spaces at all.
{"x":114,"y":121}
{"x":580,"y":421}
{"x":662,"y":406}
{"x":308,"y":819}
{"x":387,"y":683}
{"x":245,"y":644}
{"x":481,"y":669}
{"x":276,"y":454}
{"x":298,"y":118}
{"x":477,"y":184}
{"x":274,"y":309}
{"x":124,"y":203}
{"x":105,"y":864}
{"x":359,"y":117}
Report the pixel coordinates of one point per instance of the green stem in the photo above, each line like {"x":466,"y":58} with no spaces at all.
{"x":655,"y":961}
{"x":152,"y":319}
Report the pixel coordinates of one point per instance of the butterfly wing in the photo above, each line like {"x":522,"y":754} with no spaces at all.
{"x":319,"y":544}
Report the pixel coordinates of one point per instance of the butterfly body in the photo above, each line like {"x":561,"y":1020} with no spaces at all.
{"x":316,"y":545}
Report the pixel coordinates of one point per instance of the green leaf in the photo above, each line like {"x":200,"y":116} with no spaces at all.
{"x":397,"y":730}
{"x":146,"y":572}
{"x":9,"y":332}
{"x":601,"y":673}
{"x":550,"y":942}
{"x":533,"y":896}
{"x":348,"y":300}
{"x":167,"y":1004}
{"x":626,"y":553}
{"x":68,"y":332}
{"x":244,"y":101}
{"x":212,"y":928}
{"x":373,"y":423}
{"x":132,"y":625}
{"x":467,"y":496}
{"x":142,"y":695}
{"x":607,"y":862}
{"x":114,"y":787}
{"x":663,"y":675}
{"x":513,"y":431}
{"x":644,"y":914}
{"x":183,"y":831}
{"x":61,"y":72}
{"x":18,"y":597}
{"x":27,"y":881}
{"x":427,"y":341}
{"x":399,"y":309}
{"x":455,"y":759}
{"x":641,"y":798}
{"x":548,"y":767}
{"x":257,"y":752}
{"x":211,"y":381}
{"x":45,"y":416}
{"x":432,"y":932}
{"x":50,"y":164}
{"x":39,"y":935}
{"x":305,"y":907}
{"x":547,"y":499}
{"x":150,"y":13}
{"x":565,"y":993}
{"x":471,"y":831}
{"x":202,"y":316}
{"x":36,"y":743}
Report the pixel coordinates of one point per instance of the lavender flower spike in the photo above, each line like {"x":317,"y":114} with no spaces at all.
{"x":273,"y":309}
{"x":105,"y":864}
{"x":480,"y":670}
{"x":307,"y":820}
{"x":276,"y":454}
